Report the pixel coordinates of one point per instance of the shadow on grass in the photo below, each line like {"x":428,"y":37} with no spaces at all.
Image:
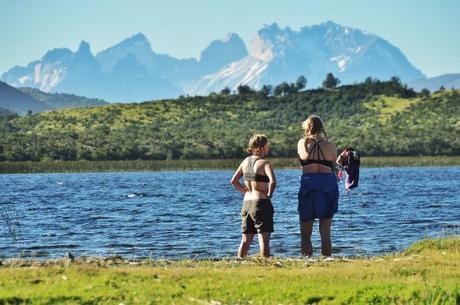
{"x":50,"y":301}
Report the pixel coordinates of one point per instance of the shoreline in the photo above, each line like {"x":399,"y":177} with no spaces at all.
{"x":119,"y":261}
{"x":416,"y":247}
{"x":17,"y":167}
{"x":428,"y":272}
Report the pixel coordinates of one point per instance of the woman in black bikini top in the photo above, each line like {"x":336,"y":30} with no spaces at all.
{"x":320,"y":158}
{"x":318,"y":193}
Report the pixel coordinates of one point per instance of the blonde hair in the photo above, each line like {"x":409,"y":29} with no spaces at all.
{"x":313,"y":126}
{"x":256,"y":142}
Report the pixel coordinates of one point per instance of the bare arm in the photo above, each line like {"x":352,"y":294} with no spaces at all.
{"x":271,"y":176}
{"x":236,"y":180}
{"x":339,"y":159}
{"x":301,"y":149}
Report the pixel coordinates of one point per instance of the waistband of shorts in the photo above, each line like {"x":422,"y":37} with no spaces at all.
{"x":315,"y":175}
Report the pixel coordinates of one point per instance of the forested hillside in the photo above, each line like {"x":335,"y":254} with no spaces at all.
{"x":62,"y":100}
{"x":378,"y":118}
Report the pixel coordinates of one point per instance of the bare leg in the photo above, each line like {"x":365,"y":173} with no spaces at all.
{"x":246,"y":240}
{"x":306,"y":228}
{"x":325,"y":231}
{"x":264,"y":244}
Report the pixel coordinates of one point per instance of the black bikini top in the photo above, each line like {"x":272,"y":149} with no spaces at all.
{"x":316,"y":148}
{"x":251,"y":175}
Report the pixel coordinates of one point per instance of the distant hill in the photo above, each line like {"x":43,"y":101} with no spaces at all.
{"x":4,"y":112}
{"x":62,"y":100}
{"x":131,"y":71}
{"x":377,"y":118}
{"x":17,"y":101}
{"x":22,"y":100}
{"x":448,"y":81}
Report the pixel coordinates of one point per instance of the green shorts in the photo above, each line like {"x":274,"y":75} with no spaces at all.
{"x":257,"y":216}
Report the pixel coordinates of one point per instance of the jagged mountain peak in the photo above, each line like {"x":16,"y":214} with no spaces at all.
{"x":222,"y":51}
{"x":138,"y":37}
{"x":231,"y":40}
{"x":136,"y":40}
{"x":84,"y":48}
{"x":274,"y":27}
{"x":230,"y":37}
{"x":331,"y":25}
{"x":273,"y":32}
{"x":282,"y":54}
{"x":137,"y":45}
{"x":277,"y":54}
{"x":57,"y":54}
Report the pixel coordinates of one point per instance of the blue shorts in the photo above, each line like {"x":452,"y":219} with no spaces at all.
{"x":318,"y":196}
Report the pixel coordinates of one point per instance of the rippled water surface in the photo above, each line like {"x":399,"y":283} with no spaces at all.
{"x":197,"y":214}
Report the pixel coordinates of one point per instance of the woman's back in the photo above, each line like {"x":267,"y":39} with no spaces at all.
{"x":316,"y":155}
{"x":255,"y":177}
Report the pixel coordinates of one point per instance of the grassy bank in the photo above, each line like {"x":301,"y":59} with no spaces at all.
{"x":426,"y":273}
{"x":213,"y":164}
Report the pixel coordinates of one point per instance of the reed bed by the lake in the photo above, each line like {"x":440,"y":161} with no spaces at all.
{"x":212,"y":164}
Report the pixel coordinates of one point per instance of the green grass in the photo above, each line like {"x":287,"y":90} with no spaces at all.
{"x":387,"y":106}
{"x":427,"y":273}
{"x":377,"y":118}
{"x":213,"y":164}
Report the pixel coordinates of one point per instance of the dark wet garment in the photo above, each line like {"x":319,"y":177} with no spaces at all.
{"x":251,"y":175}
{"x":320,"y":159}
{"x":350,"y":160}
{"x":318,"y":196}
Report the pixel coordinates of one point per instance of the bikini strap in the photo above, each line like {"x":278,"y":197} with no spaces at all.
{"x":311,"y":152}
{"x":320,"y":151}
{"x":251,"y":164}
{"x":316,"y":149}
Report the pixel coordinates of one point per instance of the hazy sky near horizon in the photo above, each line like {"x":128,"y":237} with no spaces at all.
{"x":426,"y":31}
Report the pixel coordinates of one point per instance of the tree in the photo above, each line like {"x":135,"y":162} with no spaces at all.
{"x":301,"y":83}
{"x":225,"y":91}
{"x":266,"y":90}
{"x":396,"y":80}
{"x":282,"y":89}
{"x":330,"y":81}
{"x":244,"y":89}
{"x":425,"y":92}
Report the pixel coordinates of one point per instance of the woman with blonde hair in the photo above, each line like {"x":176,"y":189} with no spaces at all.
{"x":318,"y":194}
{"x":259,"y":185}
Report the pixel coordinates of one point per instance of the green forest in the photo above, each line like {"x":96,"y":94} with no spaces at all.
{"x":378,"y":118}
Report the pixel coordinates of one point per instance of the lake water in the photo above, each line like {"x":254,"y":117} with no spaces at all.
{"x":197,"y":214}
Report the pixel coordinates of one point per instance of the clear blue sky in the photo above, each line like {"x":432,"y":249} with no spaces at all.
{"x":425,"y":30}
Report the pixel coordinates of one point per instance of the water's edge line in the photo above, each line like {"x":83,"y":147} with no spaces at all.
{"x":23,"y":167}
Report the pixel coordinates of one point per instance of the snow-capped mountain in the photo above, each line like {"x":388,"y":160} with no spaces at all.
{"x":128,"y":71}
{"x":44,"y":74}
{"x":279,"y":55}
{"x":132,"y":71}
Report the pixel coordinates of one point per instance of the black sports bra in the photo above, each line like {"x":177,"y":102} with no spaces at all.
{"x":316,"y":149}
{"x":251,"y":175}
